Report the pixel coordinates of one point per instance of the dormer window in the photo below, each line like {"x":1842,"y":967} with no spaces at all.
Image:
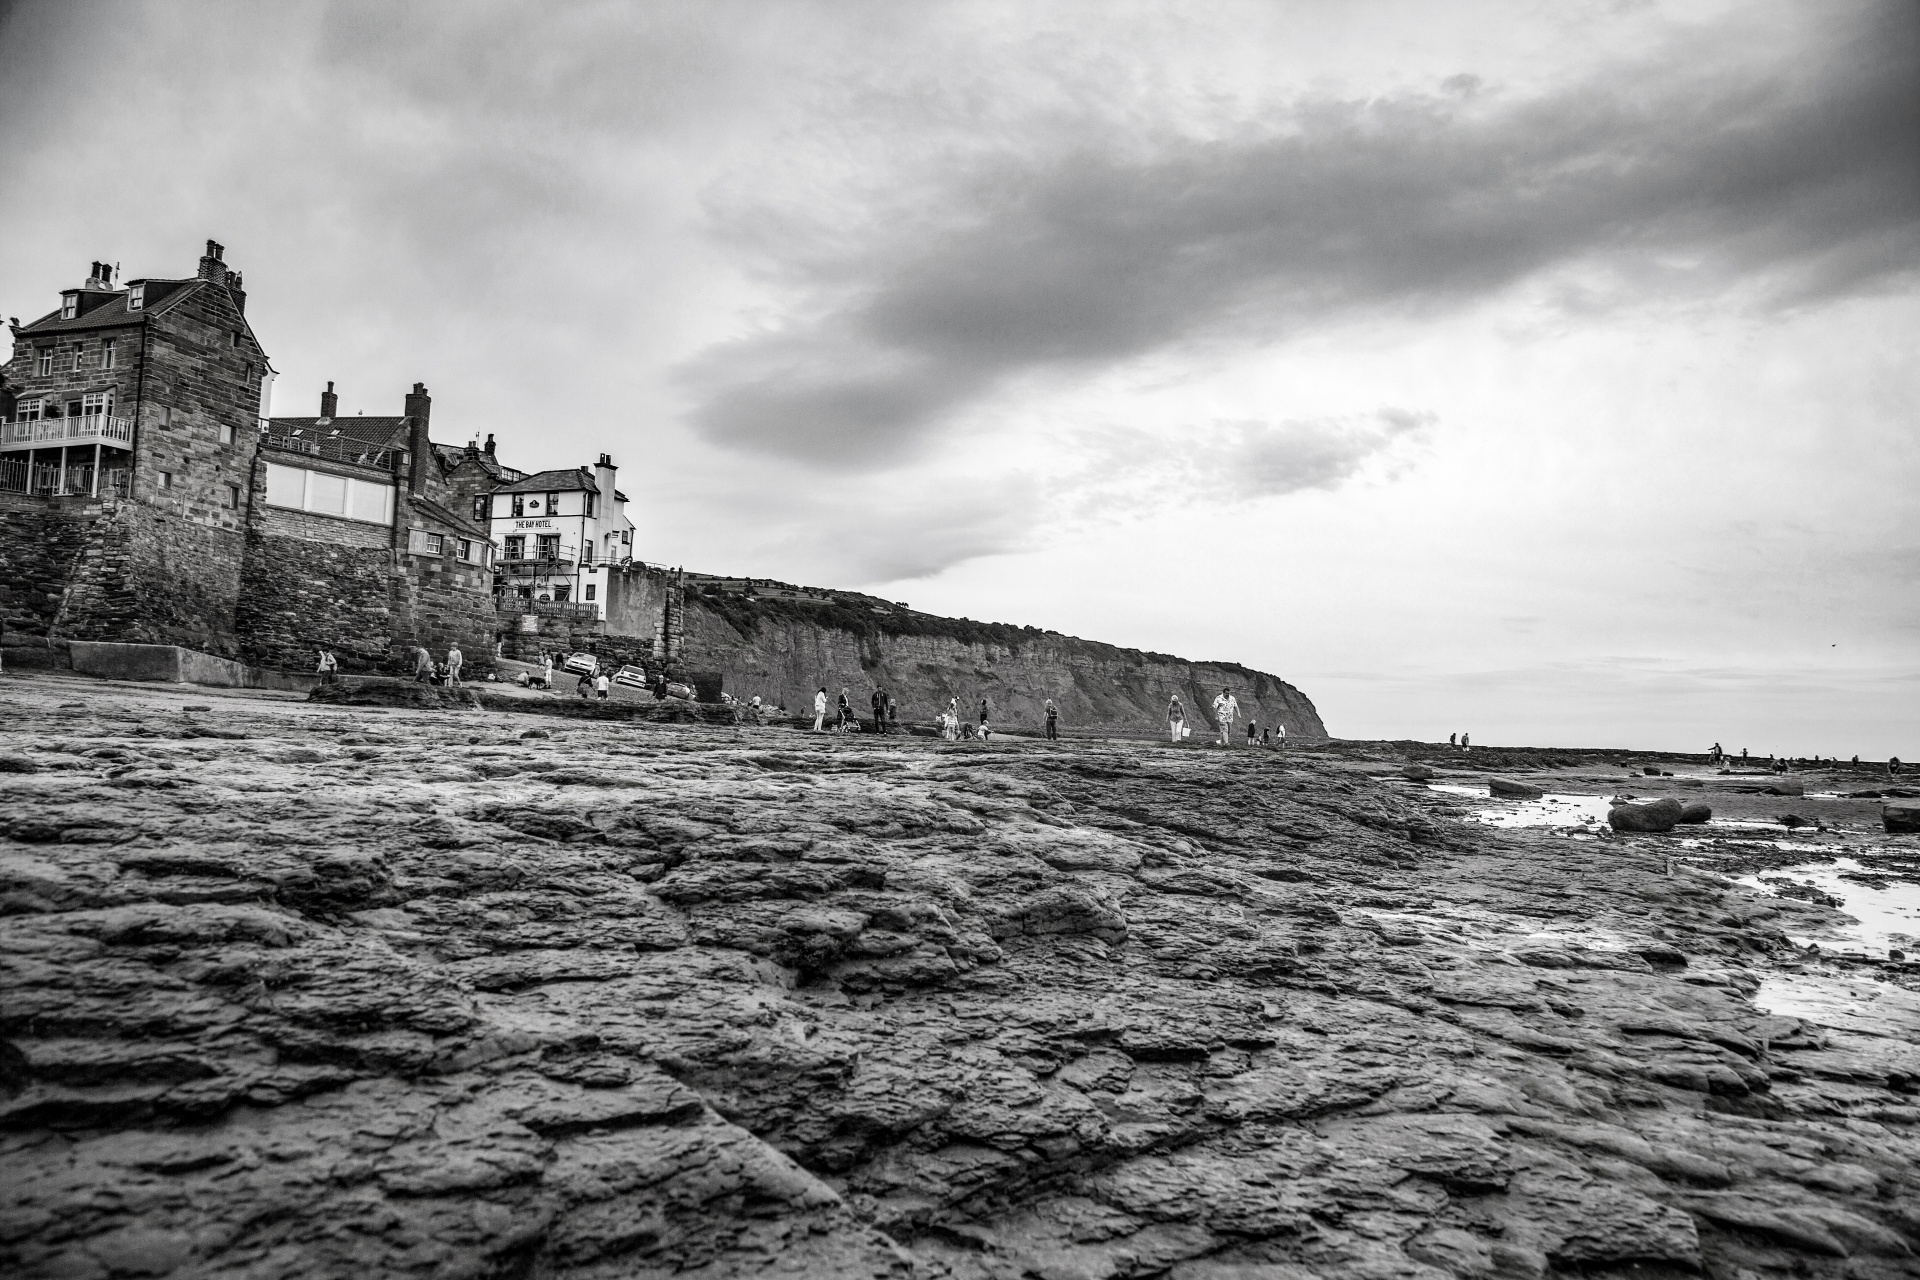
{"x":136,"y":297}
{"x":69,"y":304}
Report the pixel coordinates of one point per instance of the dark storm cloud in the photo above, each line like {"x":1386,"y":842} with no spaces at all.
{"x":1801,"y":177}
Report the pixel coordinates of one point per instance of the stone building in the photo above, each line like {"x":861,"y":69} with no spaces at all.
{"x":145,"y":497}
{"x":357,"y":542}
{"x":125,"y":460}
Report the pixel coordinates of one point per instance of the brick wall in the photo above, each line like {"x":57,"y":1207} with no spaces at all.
{"x":42,"y":542}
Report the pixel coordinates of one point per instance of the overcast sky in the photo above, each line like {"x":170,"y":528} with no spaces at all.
{"x":1543,"y":370}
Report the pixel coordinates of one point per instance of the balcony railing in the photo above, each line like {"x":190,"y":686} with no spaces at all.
{"x":48,"y":480}
{"x":548,"y":608}
{"x":49,"y":433}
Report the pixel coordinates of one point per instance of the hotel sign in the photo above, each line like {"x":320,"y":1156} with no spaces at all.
{"x":522,"y":526}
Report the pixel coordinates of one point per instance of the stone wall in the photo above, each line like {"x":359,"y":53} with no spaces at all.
{"x":43,"y":541}
{"x":149,"y":575}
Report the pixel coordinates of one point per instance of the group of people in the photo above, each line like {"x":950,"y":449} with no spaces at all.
{"x":425,"y":669}
{"x":1460,"y":740}
{"x":1226,"y":713}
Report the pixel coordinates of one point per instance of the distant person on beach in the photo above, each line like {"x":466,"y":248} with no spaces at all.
{"x":1176,"y":718}
{"x":1280,"y":734}
{"x":1465,"y":742}
{"x":1266,"y":737}
{"x":454,"y":660}
{"x":1893,"y":766}
{"x":422,"y":666}
{"x":584,"y":685}
{"x":1226,"y":711}
{"x":329,"y":667}
{"x":846,"y":709}
{"x":893,"y":714}
{"x":1453,"y":739}
{"x":820,"y":710}
{"x":602,"y":685}
{"x":546,"y":671}
{"x":879,"y":701}
{"x":1743,"y":755}
{"x":983,"y":710}
{"x":1253,"y":735}
{"x":1053,"y":721}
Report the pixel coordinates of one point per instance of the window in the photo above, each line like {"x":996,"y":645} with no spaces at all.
{"x":586,"y":553}
{"x":28,"y":410}
{"x":166,"y":415}
{"x":226,"y":433}
{"x":526,"y":593}
{"x":43,"y":361}
{"x":136,"y":297}
{"x":516,"y":548}
{"x":626,"y":537}
{"x":69,"y":305}
{"x":553,"y":503}
{"x":79,"y":357}
{"x":590,"y":502}
{"x":480,"y":507}
{"x":299,"y":489}
{"x":561,"y":591}
{"x":466,"y":549}
{"x":236,"y":337}
{"x":590,"y":590}
{"x":166,"y":479}
{"x":73,"y":408}
{"x":230,"y":496}
{"x":549,"y":546}
{"x":96,"y":404}
{"x":519,"y":504}
{"x":433,"y":544}
{"x":106,"y":355}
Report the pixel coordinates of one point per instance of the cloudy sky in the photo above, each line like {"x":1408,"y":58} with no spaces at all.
{"x":1544,"y":370}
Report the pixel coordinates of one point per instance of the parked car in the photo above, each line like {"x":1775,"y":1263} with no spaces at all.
{"x":631,"y":676}
{"x":581,"y":664}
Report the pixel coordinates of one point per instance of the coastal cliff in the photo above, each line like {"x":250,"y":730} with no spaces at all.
{"x":784,"y":652}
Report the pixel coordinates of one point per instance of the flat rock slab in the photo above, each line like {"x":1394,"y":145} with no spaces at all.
{"x":409,"y":984}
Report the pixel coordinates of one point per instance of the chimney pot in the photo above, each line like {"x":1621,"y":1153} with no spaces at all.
{"x":489,"y":444}
{"x":329,"y":403}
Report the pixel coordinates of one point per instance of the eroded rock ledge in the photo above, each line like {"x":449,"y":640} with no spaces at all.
{"x":297,"y":990}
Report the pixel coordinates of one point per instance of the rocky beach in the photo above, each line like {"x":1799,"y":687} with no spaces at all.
{"x":307,"y":989}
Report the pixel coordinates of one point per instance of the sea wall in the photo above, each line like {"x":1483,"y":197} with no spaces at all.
{"x":1099,"y":688}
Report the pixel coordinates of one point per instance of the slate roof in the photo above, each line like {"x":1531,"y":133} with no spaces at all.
{"x":543,"y":481}
{"x":112,"y":313}
{"x":379,"y":433}
{"x":452,"y":455}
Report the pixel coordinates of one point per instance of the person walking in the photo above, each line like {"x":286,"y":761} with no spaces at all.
{"x":846,"y":708}
{"x":602,"y":685}
{"x":820,"y":710}
{"x":1465,"y":742}
{"x":546,"y":671}
{"x":1176,"y":719}
{"x":1225,"y":711}
{"x":893,"y":715}
{"x":584,"y":686}
{"x":1053,"y":721}
{"x":329,"y":667}
{"x":1280,"y":734}
{"x":1453,"y":739}
{"x":1253,"y":738}
{"x":454,"y":659}
{"x":879,"y":701}
{"x":983,"y":709}
{"x":422,"y":666}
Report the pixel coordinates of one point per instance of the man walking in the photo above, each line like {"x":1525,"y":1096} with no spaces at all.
{"x":983,"y":710}
{"x":879,"y":701}
{"x":846,"y":708}
{"x":422,"y":666}
{"x":329,"y":667}
{"x":1226,"y":711}
{"x":454,"y":659}
{"x":1053,"y":721}
{"x":820,"y":710}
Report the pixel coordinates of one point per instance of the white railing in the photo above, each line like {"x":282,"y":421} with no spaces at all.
{"x":56,"y":431}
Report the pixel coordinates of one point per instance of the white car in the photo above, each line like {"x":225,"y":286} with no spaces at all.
{"x":634,"y":677}
{"x":581,"y":664}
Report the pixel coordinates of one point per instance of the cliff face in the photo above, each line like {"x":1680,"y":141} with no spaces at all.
{"x":1098,"y":687}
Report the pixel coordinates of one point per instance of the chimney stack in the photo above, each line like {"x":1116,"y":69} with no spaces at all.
{"x":100,"y":277}
{"x":237,"y":288}
{"x":419,"y":409}
{"x":211,"y":267}
{"x":489,"y":444}
{"x":329,"y":403}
